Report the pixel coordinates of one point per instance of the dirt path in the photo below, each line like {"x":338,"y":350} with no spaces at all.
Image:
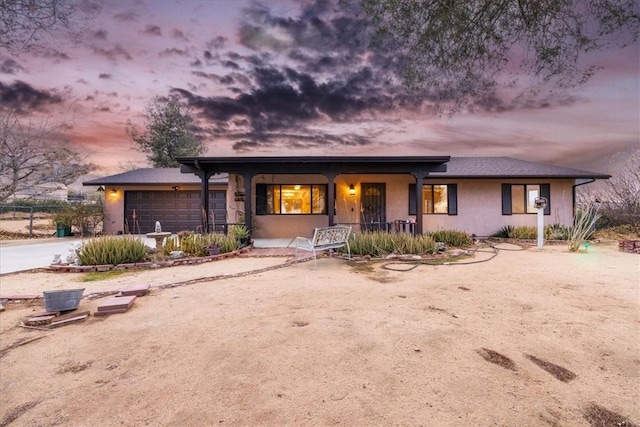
{"x":357,"y":345}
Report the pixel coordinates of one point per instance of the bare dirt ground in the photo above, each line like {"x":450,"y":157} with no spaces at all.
{"x":529,"y":338}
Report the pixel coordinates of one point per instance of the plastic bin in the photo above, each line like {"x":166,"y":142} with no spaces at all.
{"x":68,"y":299}
{"x":63,"y":231}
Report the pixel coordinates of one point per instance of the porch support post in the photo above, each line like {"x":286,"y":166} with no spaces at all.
{"x":331,"y":196}
{"x":419,"y":201}
{"x":248,"y":221}
{"x":204,"y":175}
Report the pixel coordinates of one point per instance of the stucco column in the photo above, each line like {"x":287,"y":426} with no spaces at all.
{"x":419,"y":201}
{"x":248,"y":220}
{"x":331,"y":196}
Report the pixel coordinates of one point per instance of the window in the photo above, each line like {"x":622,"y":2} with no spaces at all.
{"x":437,"y":199}
{"x":520,"y":198}
{"x":291,"y":199}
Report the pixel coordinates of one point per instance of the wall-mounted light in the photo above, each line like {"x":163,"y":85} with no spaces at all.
{"x":175,"y":187}
{"x":113,"y":193}
{"x":352,"y":190}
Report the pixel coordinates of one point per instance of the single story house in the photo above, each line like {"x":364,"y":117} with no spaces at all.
{"x":289,"y":196}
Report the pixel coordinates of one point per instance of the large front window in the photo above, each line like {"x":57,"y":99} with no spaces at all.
{"x":296,"y":199}
{"x":435,"y":199}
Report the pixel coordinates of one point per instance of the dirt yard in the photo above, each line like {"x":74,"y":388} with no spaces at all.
{"x":529,"y":338}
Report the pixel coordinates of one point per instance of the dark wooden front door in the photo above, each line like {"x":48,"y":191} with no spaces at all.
{"x":374,"y":210}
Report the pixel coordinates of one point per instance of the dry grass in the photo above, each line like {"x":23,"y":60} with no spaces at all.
{"x":497,"y":358}
{"x":557,"y":371}
{"x":597,"y":416}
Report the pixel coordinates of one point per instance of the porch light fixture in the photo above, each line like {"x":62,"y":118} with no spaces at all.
{"x":114,"y":192}
{"x":352,"y":190}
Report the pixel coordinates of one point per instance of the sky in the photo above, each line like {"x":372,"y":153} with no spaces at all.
{"x":296,"y":78}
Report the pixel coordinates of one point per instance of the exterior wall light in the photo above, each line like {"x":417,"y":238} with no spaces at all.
{"x":352,"y":190}
{"x":114,"y":193}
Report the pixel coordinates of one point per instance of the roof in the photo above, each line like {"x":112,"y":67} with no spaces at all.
{"x":508,"y":167}
{"x":155,"y":176}
{"x":315,"y":164}
{"x":456,"y":167}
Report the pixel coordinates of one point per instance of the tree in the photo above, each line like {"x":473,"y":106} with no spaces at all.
{"x":619,"y":196}
{"x":27,"y":24}
{"x":33,"y":153}
{"x":169,"y":133}
{"x":458,"y":51}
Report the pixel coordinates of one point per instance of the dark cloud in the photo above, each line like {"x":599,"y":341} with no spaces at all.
{"x":126,"y":17}
{"x":151,"y":30}
{"x":22,"y":97}
{"x":104,"y":76}
{"x":114,"y":53}
{"x":173,"y":52}
{"x":9,"y":66}
{"x":230,"y":64}
{"x":99,"y":34}
{"x":179,"y":35}
{"x":274,"y":105}
{"x":217,"y":43}
{"x":331,"y":77}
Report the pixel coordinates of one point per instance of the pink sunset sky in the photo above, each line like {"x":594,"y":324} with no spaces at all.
{"x":293,"y":78}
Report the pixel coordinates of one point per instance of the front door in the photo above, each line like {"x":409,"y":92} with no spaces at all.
{"x":373,"y":201}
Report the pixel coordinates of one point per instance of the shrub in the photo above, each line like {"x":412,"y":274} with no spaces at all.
{"x":378,"y":244}
{"x":112,"y":250}
{"x":193,"y":244}
{"x":451,"y":237}
{"x":584,"y":222}
{"x":556,"y":232}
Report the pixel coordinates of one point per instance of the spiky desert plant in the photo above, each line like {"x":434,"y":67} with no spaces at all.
{"x":451,"y":237}
{"x":112,"y":250}
{"x":584,"y":222}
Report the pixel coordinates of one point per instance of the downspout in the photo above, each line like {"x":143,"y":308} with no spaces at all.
{"x":573,"y":192}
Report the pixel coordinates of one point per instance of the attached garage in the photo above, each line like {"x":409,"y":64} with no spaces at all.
{"x":135,"y":200}
{"x":176,"y":210}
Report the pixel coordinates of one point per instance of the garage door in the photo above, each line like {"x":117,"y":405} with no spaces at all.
{"x":176,"y":210}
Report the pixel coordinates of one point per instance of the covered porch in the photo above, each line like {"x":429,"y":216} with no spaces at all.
{"x":265,"y":186}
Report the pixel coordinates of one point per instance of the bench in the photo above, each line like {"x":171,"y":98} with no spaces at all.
{"x":333,"y":237}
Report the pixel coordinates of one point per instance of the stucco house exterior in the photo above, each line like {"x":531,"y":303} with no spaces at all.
{"x":289,"y":196}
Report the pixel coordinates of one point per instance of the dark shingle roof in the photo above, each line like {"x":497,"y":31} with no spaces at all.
{"x":507,"y":167}
{"x":155,"y":176}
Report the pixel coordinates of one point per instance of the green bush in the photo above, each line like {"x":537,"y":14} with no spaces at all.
{"x":112,"y":250}
{"x":193,"y":244}
{"x":378,"y":244}
{"x":451,"y":237}
{"x":530,"y":232}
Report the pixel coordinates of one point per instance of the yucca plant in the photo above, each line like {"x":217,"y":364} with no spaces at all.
{"x":112,"y":250}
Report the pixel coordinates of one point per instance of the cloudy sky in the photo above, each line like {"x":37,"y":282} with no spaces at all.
{"x":296,"y":78}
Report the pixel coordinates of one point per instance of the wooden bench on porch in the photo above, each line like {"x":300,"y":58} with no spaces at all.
{"x":324,"y":238}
